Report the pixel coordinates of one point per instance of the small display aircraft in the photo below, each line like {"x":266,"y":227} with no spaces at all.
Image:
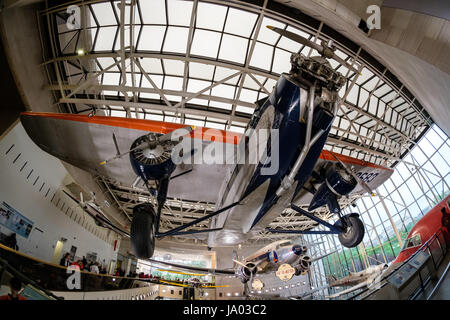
{"x":435,"y":221}
{"x":270,"y":257}
{"x":298,"y":115}
{"x":263,"y":261}
{"x":357,"y":280}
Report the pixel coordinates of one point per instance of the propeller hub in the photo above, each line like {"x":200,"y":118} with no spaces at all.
{"x":317,"y":68}
{"x":249,"y":269}
{"x":153,"y":151}
{"x":151,"y":157}
{"x":149,"y":150}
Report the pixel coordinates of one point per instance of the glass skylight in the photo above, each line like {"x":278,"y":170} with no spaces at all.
{"x":153,"y":12}
{"x":233,"y":49}
{"x":240,"y":22}
{"x":152,"y":38}
{"x":206,"y":43}
{"x":222,"y":37}
{"x":211,"y":16}
{"x":176,"y":39}
{"x":104,"y":14}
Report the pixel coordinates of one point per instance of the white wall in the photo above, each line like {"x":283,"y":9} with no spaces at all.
{"x":31,"y":183}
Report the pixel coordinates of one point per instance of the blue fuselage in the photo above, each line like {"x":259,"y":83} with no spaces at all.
{"x":284,"y":110}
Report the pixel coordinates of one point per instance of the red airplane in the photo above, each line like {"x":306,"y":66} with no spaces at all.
{"x":437,"y":218}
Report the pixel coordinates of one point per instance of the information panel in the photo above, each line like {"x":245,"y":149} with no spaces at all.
{"x":14,"y":220}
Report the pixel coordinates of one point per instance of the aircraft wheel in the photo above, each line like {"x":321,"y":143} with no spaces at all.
{"x":354,"y":232}
{"x":143,"y":230}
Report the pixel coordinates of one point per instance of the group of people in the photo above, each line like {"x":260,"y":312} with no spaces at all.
{"x":120,"y":273}
{"x":146,"y":276}
{"x":132,"y":274}
{"x":82,"y":264}
{"x":11,"y":241}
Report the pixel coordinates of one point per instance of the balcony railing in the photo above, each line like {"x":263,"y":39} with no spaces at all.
{"x":436,"y":247}
{"x":52,"y":277}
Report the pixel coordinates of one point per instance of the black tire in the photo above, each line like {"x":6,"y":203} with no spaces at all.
{"x":143,"y":231}
{"x":354,"y":232}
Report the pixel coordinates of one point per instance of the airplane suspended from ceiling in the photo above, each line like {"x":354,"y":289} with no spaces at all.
{"x":263,"y":261}
{"x":291,"y":168}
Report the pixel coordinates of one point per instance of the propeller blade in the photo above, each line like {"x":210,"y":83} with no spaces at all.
{"x":302,"y":40}
{"x":345,"y":63}
{"x":240,"y":263}
{"x":122,"y":154}
{"x":297,"y":38}
{"x":168,"y":136}
{"x":116,"y":144}
{"x":165,"y":137}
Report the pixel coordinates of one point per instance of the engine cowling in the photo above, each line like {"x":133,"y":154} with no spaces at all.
{"x":303,"y":265}
{"x":305,"y":261}
{"x":151,"y":158}
{"x":247,"y":272}
{"x":299,"y":250}
{"x":337,"y":183}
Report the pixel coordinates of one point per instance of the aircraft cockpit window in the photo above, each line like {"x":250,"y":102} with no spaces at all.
{"x":412,"y":242}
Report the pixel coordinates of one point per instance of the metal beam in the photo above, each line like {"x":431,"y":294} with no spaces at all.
{"x":183,"y":58}
{"x":100,"y":87}
{"x":152,"y":106}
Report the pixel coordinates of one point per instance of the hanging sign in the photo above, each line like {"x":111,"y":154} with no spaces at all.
{"x":285,"y":272}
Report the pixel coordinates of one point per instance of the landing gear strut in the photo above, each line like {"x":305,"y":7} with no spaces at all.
{"x":349,"y":228}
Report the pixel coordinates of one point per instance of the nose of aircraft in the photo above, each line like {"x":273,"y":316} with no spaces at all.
{"x":273,"y":256}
